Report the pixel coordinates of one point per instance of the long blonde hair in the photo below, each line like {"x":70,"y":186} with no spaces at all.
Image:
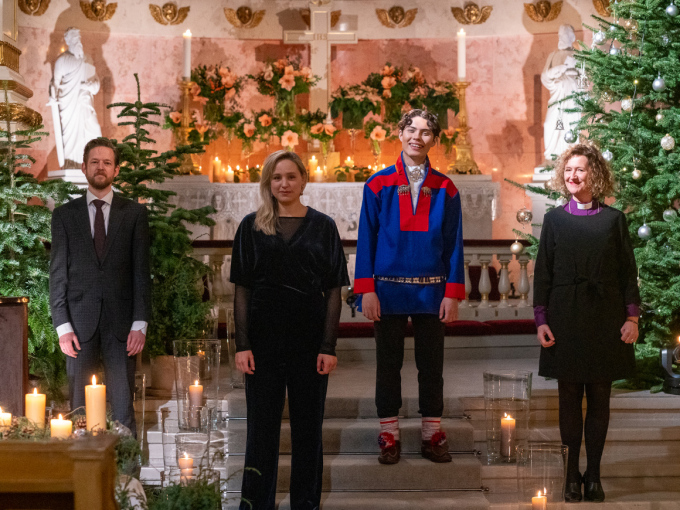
{"x":267,"y":217}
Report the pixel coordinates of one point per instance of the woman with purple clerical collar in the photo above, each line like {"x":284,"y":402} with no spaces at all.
{"x":586,"y":306}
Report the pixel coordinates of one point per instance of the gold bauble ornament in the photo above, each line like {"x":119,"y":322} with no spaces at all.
{"x":516,"y":248}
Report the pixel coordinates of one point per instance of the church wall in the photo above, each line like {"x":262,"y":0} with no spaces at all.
{"x":506,"y":100}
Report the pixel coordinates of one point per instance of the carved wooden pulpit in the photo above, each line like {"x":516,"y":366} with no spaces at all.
{"x":58,"y":475}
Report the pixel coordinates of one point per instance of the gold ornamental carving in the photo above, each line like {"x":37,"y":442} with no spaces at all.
{"x":472,"y":14}
{"x":244,"y":17}
{"x":98,"y":10}
{"x":20,"y":113}
{"x":602,"y":8}
{"x":396,"y":17}
{"x":543,"y":10}
{"x":169,"y":13}
{"x":306,"y":17}
{"x":34,"y":7}
{"x":17,"y":87}
{"x":9,"y":56}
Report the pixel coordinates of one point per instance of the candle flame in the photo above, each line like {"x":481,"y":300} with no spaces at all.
{"x":229,"y":168}
{"x":539,"y":494}
{"x":60,"y":417}
{"x":186,"y":455}
{"x":196,"y":382}
{"x":35,"y":391}
{"x":461,"y":32}
{"x":216,"y":158}
{"x":187,"y":33}
{"x":313,"y":158}
{"x":94,"y":380}
{"x":238,"y":167}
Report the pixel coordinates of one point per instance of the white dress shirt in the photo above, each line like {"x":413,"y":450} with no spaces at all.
{"x":415,"y":184}
{"x":106,"y":210}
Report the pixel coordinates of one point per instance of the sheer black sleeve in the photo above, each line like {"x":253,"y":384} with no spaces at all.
{"x":543,"y":267}
{"x":241,"y":309}
{"x":333,"y":309}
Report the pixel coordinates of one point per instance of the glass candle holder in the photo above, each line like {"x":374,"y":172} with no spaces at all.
{"x":218,"y":449}
{"x":197,"y":378}
{"x":507,"y":396}
{"x":542,"y":467}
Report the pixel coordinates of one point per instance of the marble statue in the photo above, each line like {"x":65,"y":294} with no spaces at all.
{"x":559,"y":76}
{"x":72,"y":90}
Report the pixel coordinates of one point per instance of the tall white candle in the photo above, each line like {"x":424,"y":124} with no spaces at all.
{"x":35,"y":408}
{"x":461,"y":55}
{"x":186,"y":68}
{"x":507,"y":436}
{"x":95,"y":405}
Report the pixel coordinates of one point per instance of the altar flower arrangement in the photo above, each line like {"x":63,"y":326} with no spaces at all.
{"x":448,"y":139}
{"x":199,"y":129}
{"x":284,"y":79}
{"x":438,"y":99}
{"x":377,"y":132}
{"x":394,"y":86}
{"x":355,"y":102}
{"x":245,"y":131}
{"x":214,"y":87}
{"x":289,"y":139}
{"x":266,"y":124}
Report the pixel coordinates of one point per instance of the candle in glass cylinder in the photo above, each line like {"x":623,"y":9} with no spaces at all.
{"x":196,"y":394}
{"x":229,"y":176}
{"x":216,"y":169}
{"x":5,"y":419}
{"x":186,"y":462}
{"x":318,"y":175}
{"x":95,"y":405}
{"x":313,"y":164}
{"x":35,"y":408}
{"x":60,"y":428}
{"x":461,"y":55}
{"x":539,"y":502}
{"x":349,"y":161}
{"x":186,"y":68}
{"x":507,"y":435}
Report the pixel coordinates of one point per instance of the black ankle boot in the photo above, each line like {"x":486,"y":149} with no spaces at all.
{"x":592,"y":491}
{"x":572,"y":492}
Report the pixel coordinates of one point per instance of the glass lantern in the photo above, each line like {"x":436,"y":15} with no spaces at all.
{"x":542,"y":467}
{"x":507,"y":396}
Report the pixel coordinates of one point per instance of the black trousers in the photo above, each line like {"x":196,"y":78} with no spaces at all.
{"x":429,"y":351}
{"x":119,"y":370}
{"x":265,"y":397}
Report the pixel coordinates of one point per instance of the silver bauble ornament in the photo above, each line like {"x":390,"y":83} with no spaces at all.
{"x":570,"y":136}
{"x":599,"y":37}
{"x":613,"y":28}
{"x":561,"y":202}
{"x":524,"y":216}
{"x":659,"y":117}
{"x":644,"y":232}
{"x":636,"y":174}
{"x":665,"y":40}
{"x":516,"y":248}
{"x":670,"y":214}
{"x":668,"y":142}
{"x":627,"y":104}
{"x":659,"y":84}
{"x":607,"y":155}
{"x":672,"y":10}
{"x":614,"y":51}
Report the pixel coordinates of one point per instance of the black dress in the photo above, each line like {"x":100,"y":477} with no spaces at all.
{"x":293,"y":288}
{"x":585,"y":274}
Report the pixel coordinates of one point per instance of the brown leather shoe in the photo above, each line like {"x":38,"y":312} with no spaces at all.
{"x":437,"y":448}
{"x":390,"y":449}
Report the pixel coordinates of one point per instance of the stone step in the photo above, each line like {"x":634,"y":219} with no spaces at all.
{"x":340,"y":436}
{"x":615,"y":500}
{"x":364,"y":473}
{"x":386,"y":501}
{"x":547,"y":400}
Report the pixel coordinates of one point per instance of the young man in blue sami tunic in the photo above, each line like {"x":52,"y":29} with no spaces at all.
{"x":409,"y":263}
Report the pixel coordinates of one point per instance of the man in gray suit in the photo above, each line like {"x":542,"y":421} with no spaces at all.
{"x":100,"y":285}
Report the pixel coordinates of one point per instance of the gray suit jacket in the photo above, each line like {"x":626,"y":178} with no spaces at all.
{"x":85,"y":291}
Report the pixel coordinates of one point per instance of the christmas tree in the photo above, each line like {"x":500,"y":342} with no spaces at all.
{"x":630,"y":109}
{"x":178,"y":309}
{"x":24,"y":260}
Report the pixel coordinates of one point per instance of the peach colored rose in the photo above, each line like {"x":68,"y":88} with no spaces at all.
{"x":329,"y":129}
{"x":388,"y":82}
{"x":223,"y":71}
{"x":287,"y":82}
{"x":280,"y":64}
{"x":289,"y":70}
{"x":229,"y":80}
{"x":317,"y":129}
{"x":201,"y":127}
{"x":265,"y":120}
{"x":416,"y":74}
{"x":289,"y":139}
{"x":176,"y":117}
{"x":387,"y":71}
{"x":249,"y":129}
{"x":230,"y":94}
{"x":194,"y":89}
{"x":387,"y":93}
{"x":449,"y":132}
{"x":378,"y":134}
{"x":268,"y":74}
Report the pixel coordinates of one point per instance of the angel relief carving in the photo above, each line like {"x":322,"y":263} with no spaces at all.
{"x":396,"y":17}
{"x":34,"y":7}
{"x":244,"y":17}
{"x":98,"y":10}
{"x":472,"y":14}
{"x":543,"y":10}
{"x":169,"y":13}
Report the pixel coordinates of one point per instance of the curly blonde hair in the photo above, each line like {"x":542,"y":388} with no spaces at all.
{"x":601,"y":178}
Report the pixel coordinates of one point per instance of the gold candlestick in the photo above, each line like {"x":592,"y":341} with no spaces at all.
{"x":465,"y":162}
{"x":188,"y":167}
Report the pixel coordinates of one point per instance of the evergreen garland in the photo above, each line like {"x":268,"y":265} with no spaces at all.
{"x":178,"y":309}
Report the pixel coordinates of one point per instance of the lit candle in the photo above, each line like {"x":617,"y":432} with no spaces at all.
{"x":318,"y":175}
{"x":195,"y":402}
{"x":461,"y":55}
{"x":383,"y":166}
{"x":313,"y":164}
{"x":60,"y":428}
{"x":5,"y":419}
{"x":229,"y":177}
{"x":187,"y":472}
{"x":216,"y":167}
{"x":95,"y":405}
{"x":35,"y":408}
{"x":539,"y":502}
{"x":186,"y":462}
{"x":349,"y":161}
{"x":186,"y":69}
{"x":507,"y":436}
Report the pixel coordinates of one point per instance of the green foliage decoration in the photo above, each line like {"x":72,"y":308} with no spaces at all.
{"x":178,"y":309}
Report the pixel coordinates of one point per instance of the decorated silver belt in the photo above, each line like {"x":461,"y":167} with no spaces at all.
{"x":423,"y":280}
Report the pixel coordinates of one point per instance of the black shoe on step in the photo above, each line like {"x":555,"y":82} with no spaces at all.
{"x":572,"y":492}
{"x":592,"y":491}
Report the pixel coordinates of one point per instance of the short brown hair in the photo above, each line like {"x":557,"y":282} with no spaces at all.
{"x":101,"y":142}
{"x":431,"y":118}
{"x":601,"y":177}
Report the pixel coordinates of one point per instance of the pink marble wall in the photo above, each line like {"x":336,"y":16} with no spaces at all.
{"x":506,"y":101}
